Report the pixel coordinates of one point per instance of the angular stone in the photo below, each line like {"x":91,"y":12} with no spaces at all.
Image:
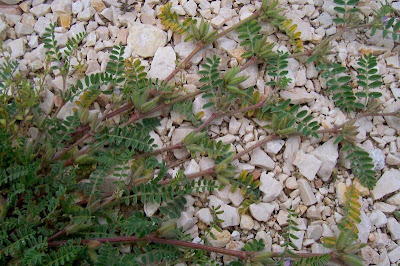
{"x":328,"y":154}
{"x":308,"y":164}
{"x":306,"y":194}
{"x":22,"y":29}
{"x":394,"y":228}
{"x":86,"y":14}
{"x":40,"y":10}
{"x":234,"y":126}
{"x":393,"y":121}
{"x":364,"y":228}
{"x":98,"y":5}
{"x":388,"y":183}
{"x":292,"y":145}
{"x":67,"y":110}
{"x":274,"y":146}
{"x":394,"y":255}
{"x":261,"y":211}
{"x":378,"y":218}
{"x":297,"y":96}
{"x":146,"y":39}
{"x":61,"y":6}
{"x":394,"y":200}
{"x":246,"y":222}
{"x":186,"y":220}
{"x":299,"y":241}
{"x":48,"y":102}
{"x":151,"y":208}
{"x":183,"y":49}
{"x":270,"y":187}
{"x":17,"y":48}
{"x":221,"y":238}
{"x":65,"y":20}
{"x":205,"y":216}
{"x":314,"y":232}
{"x":163,"y":63}
{"x":260,"y":159}
{"x":252,"y":74}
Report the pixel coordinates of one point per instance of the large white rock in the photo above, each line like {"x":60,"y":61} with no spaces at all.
{"x":61,"y":6}
{"x":394,"y":228}
{"x":292,"y":145}
{"x":378,"y":218}
{"x":163,"y":63}
{"x":308,"y":164}
{"x":388,"y":183}
{"x":299,"y":241}
{"x":302,"y":26}
{"x":17,"y":48}
{"x":183,"y":49}
{"x":40,"y":10}
{"x":306,"y":194}
{"x":146,"y":39}
{"x":230,"y":215}
{"x":261,"y":159}
{"x":274,"y":146}
{"x":328,"y":154}
{"x":205,"y":216}
{"x":364,"y":227}
{"x":394,"y":255}
{"x":261,"y":211}
{"x":270,"y":187}
{"x":252,"y":74}
{"x":297,"y":95}
{"x":186,"y":220}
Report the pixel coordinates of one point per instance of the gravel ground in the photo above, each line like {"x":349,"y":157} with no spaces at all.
{"x":294,"y":172}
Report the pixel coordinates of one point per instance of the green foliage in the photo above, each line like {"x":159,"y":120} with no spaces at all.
{"x":387,"y":20}
{"x":285,"y":116}
{"x":347,"y":9}
{"x":314,"y":261}
{"x":368,"y":77}
{"x":115,"y":67}
{"x":254,"y":245}
{"x":277,"y":69}
{"x":139,"y":225}
{"x":250,"y":37}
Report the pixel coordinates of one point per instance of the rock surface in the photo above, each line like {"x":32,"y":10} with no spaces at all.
{"x":146,"y":39}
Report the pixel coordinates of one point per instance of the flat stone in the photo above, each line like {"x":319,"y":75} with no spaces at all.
{"x":205,"y":216}
{"x":297,"y":96}
{"x":183,"y":49}
{"x":151,"y":208}
{"x":308,"y":164}
{"x":252,"y":74}
{"x":370,"y":256}
{"x":384,"y":207}
{"x":98,"y":5}
{"x":394,"y":255}
{"x":40,"y":10}
{"x":393,"y":121}
{"x":260,"y":159}
{"x":48,"y":102}
{"x":299,"y":241}
{"x":378,"y":218}
{"x":393,"y":61}
{"x":364,"y":228}
{"x":186,"y":221}
{"x":41,"y":24}
{"x":67,"y":110}
{"x":146,"y":39}
{"x":328,"y":154}
{"x":163,"y":63}
{"x":234,"y":126}
{"x":282,"y":218}
{"x":221,"y":238}
{"x":306,"y":194}
{"x":22,"y":29}
{"x":392,"y":159}
{"x":292,"y":145}
{"x":378,"y":159}
{"x":230,"y":215}
{"x":274,"y":146}
{"x":394,"y":228}
{"x":261,"y":211}
{"x":394,"y":200}
{"x":17,"y":48}
{"x":291,"y":183}
{"x":86,"y":14}
{"x":388,"y":183}
{"x":190,"y":8}
{"x":236,"y":197}
{"x":61,"y":6}
{"x":246,"y":222}
{"x":192,"y":168}
{"x":270,"y":187}
{"x":314,"y":232}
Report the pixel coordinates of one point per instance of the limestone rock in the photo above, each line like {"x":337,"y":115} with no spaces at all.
{"x":252,"y":74}
{"x":61,"y":6}
{"x":274,"y":146}
{"x":48,"y":102}
{"x":151,"y":208}
{"x":308,"y":164}
{"x":394,"y":228}
{"x":270,"y":187}
{"x":392,"y":121}
{"x":297,"y":95}
{"x":146,"y":39}
{"x":221,"y":238}
{"x":306,"y":194}
{"x":260,"y":159}
{"x":261,"y":211}
{"x":183,"y":49}
{"x":328,"y":154}
{"x":292,"y":145}
{"x":163,"y":63}
{"x":17,"y":48}
{"x":246,"y":222}
{"x":98,"y":5}
{"x":388,"y":183}
{"x":205,"y":216}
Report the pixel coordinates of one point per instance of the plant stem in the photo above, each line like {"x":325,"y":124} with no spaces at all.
{"x":244,"y":255}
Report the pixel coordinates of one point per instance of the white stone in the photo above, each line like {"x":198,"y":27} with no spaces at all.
{"x":67,"y":110}
{"x":77,"y":7}
{"x":206,"y":163}
{"x":192,"y":168}
{"x":325,"y":19}
{"x":86,"y":14}
{"x":328,"y":154}
{"x":234,"y":126}
{"x":261,"y":211}
{"x":178,"y":135}
{"x":40,"y":10}
{"x":221,"y":238}
{"x":17,"y":48}
{"x":146,"y":39}
{"x":314,"y":232}
{"x":260,"y":159}
{"x":388,"y":183}
{"x":392,"y":121}
{"x":226,"y":44}
{"x":378,"y":159}
{"x":252,"y":74}
{"x":41,"y":24}
{"x":190,"y":8}
{"x":274,"y":146}
{"x":282,"y":218}
{"x":236,"y":197}
{"x":297,"y":95}
{"x":364,"y":228}
{"x":308,"y":164}
{"x":393,"y":61}
{"x":270,"y":187}
{"x":394,"y":228}
{"x":183,"y":49}
{"x":48,"y":102}
{"x":151,"y":208}
{"x":394,"y":255}
{"x":378,"y":218}
{"x":384,"y":207}
{"x":230,"y":215}
{"x":392,"y":159}
{"x":291,"y":183}
{"x":292,"y":145}
{"x":298,"y":242}
{"x":163,"y":63}
{"x":302,"y":26}
{"x":186,"y":220}
{"x":246,"y":222}
{"x":61,"y":6}
{"x":306,"y":194}
{"x":394,"y":200}
{"x":341,"y":192}
{"x":205,"y":216}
